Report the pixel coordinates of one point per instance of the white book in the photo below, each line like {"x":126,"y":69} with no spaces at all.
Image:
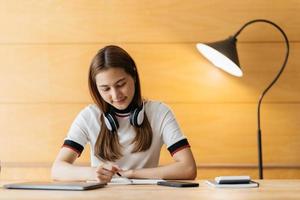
{"x":251,"y":184}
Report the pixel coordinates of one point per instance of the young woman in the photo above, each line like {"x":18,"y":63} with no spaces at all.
{"x":125,"y":132}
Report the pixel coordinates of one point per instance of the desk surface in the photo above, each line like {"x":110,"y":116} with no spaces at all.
{"x":269,"y":189}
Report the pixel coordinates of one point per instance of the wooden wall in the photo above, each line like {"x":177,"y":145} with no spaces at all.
{"x":46,"y":48}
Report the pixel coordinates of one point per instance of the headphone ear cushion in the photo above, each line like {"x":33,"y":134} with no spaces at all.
{"x":137,"y":116}
{"x":111,"y":122}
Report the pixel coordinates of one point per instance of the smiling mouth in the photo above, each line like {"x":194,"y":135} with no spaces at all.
{"x":120,"y":101}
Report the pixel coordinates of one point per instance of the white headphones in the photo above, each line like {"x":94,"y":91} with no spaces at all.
{"x":136,"y":118}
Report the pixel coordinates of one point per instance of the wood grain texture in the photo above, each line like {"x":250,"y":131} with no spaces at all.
{"x":218,"y":133}
{"x":46,"y":48}
{"x":169,"y":72}
{"x":268,"y":190}
{"x":36,"y":21}
{"x":43,"y":173}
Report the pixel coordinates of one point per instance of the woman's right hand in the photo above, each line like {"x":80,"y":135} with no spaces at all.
{"x":105,"y":172}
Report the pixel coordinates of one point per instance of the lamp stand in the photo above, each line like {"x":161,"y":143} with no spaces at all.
{"x":259,"y":143}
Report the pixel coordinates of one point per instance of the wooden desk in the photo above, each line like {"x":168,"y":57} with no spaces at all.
{"x":269,"y":189}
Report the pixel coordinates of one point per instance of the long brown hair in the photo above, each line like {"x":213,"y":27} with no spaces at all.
{"x":107,"y":145}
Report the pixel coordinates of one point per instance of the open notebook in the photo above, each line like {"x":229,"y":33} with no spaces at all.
{"x":127,"y":181}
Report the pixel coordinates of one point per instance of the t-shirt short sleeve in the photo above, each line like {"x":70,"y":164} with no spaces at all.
{"x":171,"y":132}
{"x":77,"y":136}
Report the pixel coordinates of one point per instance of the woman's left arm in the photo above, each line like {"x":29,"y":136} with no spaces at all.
{"x":184,"y":167}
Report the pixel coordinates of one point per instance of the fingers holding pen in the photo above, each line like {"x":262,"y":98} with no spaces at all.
{"x":104,"y":175}
{"x":105,"y":172}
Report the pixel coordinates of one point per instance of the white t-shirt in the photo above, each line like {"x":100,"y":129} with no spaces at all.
{"x":86,"y":127}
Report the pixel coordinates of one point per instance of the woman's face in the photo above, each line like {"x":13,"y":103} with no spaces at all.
{"x":116,"y":87}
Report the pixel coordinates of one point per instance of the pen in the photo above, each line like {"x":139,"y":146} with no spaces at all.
{"x":119,"y":174}
{"x":124,"y":177}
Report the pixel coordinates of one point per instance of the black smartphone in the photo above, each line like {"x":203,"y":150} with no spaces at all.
{"x":177,"y":184}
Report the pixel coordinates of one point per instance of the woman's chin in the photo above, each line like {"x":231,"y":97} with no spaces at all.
{"x":120,"y":106}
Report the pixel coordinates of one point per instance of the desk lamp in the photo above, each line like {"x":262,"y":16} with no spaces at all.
{"x":223,"y":54}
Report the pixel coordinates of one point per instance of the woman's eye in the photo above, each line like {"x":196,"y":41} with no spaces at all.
{"x":104,"y":89}
{"x":121,"y":84}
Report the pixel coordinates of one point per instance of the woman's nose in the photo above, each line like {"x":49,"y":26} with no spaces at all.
{"x":115,"y":94}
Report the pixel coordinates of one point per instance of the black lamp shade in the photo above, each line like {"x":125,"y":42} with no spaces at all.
{"x":222,"y":54}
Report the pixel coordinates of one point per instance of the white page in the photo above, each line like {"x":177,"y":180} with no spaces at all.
{"x":126,"y":181}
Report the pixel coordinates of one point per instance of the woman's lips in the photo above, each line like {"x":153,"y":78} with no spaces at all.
{"x":120,"y":101}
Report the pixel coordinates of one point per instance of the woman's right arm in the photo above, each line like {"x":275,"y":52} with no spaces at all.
{"x":63,"y":168}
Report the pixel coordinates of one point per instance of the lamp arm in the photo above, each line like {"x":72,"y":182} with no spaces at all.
{"x":269,"y":86}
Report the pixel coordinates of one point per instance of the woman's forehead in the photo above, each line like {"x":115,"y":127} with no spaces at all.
{"x":110,"y":76}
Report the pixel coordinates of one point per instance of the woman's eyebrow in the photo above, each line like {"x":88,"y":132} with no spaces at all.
{"x":120,"y":80}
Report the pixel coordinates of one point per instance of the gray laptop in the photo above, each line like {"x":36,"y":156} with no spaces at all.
{"x":55,"y":185}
